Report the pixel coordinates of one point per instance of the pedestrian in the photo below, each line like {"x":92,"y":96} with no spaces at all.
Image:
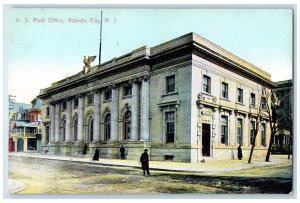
{"x":96,"y":155}
{"x":240,"y":153}
{"x":122,"y":152}
{"x":145,"y":162}
{"x":84,"y":152}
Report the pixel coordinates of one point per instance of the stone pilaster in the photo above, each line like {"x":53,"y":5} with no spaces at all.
{"x":135,"y":112}
{"x":52,"y":125}
{"x":68,"y":121}
{"x":115,"y":113}
{"x":97,"y":97}
{"x":80,"y":118}
{"x":246,"y":131}
{"x":57,"y":121}
{"x":145,"y":109}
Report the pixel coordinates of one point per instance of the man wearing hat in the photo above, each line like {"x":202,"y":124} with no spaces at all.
{"x":145,"y":162}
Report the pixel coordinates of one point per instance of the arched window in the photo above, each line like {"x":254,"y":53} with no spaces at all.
{"x":91,"y":130}
{"x":75,"y":130}
{"x":127,"y":125}
{"x":64,"y":130}
{"x":107,"y":119}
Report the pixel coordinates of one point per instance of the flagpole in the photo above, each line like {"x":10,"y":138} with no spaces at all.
{"x":100,"y":40}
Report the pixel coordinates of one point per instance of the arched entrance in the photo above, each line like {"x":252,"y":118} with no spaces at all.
{"x":20,"y":145}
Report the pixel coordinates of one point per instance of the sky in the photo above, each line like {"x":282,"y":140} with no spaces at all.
{"x":47,"y":45}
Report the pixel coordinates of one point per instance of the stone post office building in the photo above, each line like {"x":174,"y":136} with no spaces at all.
{"x":184,"y":100}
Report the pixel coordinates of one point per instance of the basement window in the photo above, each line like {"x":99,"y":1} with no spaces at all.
{"x":169,"y":157}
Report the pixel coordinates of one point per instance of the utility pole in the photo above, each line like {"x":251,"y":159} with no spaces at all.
{"x":100,"y":40}
{"x":11,"y":101}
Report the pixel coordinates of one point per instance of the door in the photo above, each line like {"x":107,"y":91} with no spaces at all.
{"x":20,"y":145}
{"x":205,"y":139}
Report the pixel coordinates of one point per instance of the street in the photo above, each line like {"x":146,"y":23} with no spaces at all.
{"x":42,"y":176}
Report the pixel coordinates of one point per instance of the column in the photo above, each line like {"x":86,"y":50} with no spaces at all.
{"x":97,"y":116}
{"x":68,"y":121}
{"x":145,"y":109}
{"x":57,"y":121}
{"x":80,"y":118}
{"x":114,"y":113}
{"x":231,"y":134}
{"x":135,"y":111}
{"x":52,"y":125}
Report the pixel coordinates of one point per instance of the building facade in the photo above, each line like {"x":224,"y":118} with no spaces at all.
{"x":25,"y":129}
{"x":184,"y":100}
{"x":284,"y":93}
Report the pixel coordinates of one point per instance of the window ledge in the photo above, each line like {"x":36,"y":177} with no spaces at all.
{"x":106,"y":101}
{"x":225,"y":99}
{"x":207,"y":94}
{"x":169,"y":94}
{"x":239,"y":103}
{"x":126,"y":97}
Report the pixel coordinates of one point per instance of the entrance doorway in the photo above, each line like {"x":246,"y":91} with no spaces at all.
{"x":20,"y":145}
{"x":205,"y":139}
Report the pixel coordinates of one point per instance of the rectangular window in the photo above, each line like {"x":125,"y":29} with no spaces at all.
{"x":170,"y":83}
{"x":107,"y":94}
{"x":240,"y":95}
{"x":170,"y":126}
{"x":224,"y":129}
{"x":263,"y":103}
{"x":127,"y":90}
{"x":90,"y":99}
{"x":47,"y":111}
{"x":263,"y":134}
{"x":224,"y":90}
{"x":75,"y":103}
{"x":206,"y":84}
{"x":252,"y":99}
{"x":239,"y":131}
{"x":252,"y":132}
{"x":64,"y":105}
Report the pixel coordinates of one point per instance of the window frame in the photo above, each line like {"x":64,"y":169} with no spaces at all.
{"x":225,"y":130}
{"x":127,"y":90}
{"x":239,"y":128}
{"x":170,"y":88}
{"x":252,"y":99}
{"x":252,"y":132}
{"x":224,"y":91}
{"x":206,"y":86}
{"x":240,"y":95}
{"x":263,"y":132}
{"x":127,"y":127}
{"x":90,"y":99}
{"x":76,"y":103}
{"x":263,"y":102}
{"x":170,"y":124}
{"x":107,"y":126}
{"x":107,"y":94}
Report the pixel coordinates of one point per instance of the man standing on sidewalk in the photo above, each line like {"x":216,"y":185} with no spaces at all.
{"x":145,"y":162}
{"x":122,"y":151}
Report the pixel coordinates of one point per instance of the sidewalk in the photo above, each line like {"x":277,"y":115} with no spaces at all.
{"x":208,"y":166}
{"x":15,"y":186}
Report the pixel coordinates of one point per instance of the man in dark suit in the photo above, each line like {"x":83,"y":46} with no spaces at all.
{"x":145,"y":162}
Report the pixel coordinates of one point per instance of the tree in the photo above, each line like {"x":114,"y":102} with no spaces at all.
{"x":272,"y":112}
{"x":255,"y":128}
